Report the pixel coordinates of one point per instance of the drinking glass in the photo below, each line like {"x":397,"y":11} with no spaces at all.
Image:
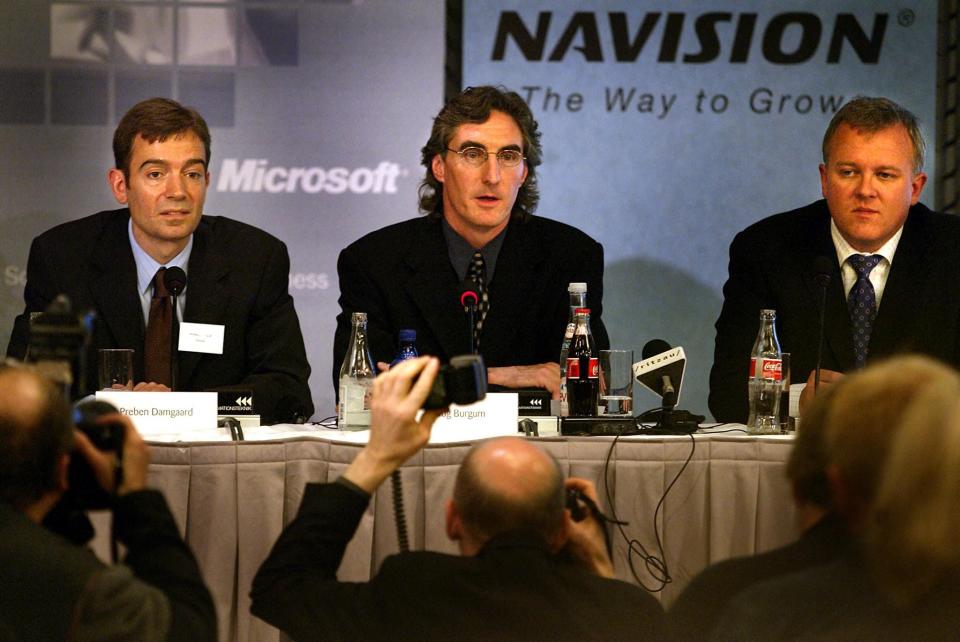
{"x":616,"y":382}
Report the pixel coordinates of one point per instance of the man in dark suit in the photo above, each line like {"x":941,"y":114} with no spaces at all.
{"x":54,"y":589}
{"x":237,"y":274}
{"x":890,"y":444}
{"x":895,"y":283}
{"x":479,"y":195}
{"x":507,"y":516}
{"x":824,"y":537}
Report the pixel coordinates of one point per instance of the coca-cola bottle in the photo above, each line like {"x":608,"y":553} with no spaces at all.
{"x":583,"y":369}
{"x":578,"y":299}
{"x":765,"y":380}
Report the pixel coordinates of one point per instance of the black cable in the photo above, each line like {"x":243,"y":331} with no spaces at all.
{"x":656,"y":566}
{"x":399,"y":513}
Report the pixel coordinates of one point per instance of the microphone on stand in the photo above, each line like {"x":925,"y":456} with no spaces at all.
{"x":175,"y":280}
{"x":469,"y":300}
{"x":661,"y":370}
{"x":823,"y":274}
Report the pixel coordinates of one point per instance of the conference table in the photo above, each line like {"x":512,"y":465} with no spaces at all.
{"x":729,"y":496}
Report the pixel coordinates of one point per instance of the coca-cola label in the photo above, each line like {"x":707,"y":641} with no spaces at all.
{"x":769,"y":368}
{"x":573,"y":368}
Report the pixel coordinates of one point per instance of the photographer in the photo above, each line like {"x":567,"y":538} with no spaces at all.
{"x":507,"y":516}
{"x":52,"y":589}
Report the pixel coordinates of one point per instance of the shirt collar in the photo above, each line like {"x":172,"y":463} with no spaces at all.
{"x":461,"y":252}
{"x":147,"y":267}
{"x":845,"y":250}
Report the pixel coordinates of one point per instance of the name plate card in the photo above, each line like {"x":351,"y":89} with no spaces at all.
{"x":494,"y":416}
{"x":165,"y":412}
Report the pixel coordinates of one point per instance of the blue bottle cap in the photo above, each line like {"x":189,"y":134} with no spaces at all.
{"x":408,"y":335}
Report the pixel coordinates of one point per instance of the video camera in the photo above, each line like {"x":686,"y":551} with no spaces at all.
{"x":58,"y":345}
{"x":462,"y":381}
{"x":59,"y":341}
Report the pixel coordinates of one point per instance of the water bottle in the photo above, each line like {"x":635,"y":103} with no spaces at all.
{"x":356,"y":379}
{"x":765,"y":379}
{"x":408,"y":346}
{"x":578,"y":299}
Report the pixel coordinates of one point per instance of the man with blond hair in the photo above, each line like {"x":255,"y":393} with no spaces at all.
{"x":871,"y":415}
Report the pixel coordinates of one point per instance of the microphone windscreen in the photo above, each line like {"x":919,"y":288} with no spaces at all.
{"x":468,"y":292}
{"x":654,"y":347}
{"x":175,"y":279}
{"x":823,"y":270}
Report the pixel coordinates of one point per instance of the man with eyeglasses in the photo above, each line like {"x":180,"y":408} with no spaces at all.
{"x":479,"y":194}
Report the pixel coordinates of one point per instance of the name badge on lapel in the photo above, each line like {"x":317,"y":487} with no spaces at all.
{"x":201,"y":337}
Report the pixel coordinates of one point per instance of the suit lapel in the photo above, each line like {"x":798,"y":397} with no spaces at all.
{"x":433,"y":288}
{"x":512,"y":287}
{"x":206,"y":297}
{"x":902,"y":295}
{"x":114,"y":290}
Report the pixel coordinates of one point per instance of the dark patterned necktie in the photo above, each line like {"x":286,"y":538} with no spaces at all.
{"x":478,"y":272}
{"x":156,"y":344}
{"x":862,"y":304}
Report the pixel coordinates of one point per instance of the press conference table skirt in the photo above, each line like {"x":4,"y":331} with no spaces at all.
{"x":231,"y":501}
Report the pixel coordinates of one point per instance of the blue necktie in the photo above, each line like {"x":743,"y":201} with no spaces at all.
{"x":862,"y":304}
{"x":478,"y":272}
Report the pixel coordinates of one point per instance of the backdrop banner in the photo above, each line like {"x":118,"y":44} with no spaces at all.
{"x":318,"y":111}
{"x":669,"y":126}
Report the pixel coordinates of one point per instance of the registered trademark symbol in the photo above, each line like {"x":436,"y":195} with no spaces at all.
{"x":905,"y":17}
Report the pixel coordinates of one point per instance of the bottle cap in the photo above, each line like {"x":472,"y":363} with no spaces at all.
{"x":408,"y":335}
{"x":581,"y":311}
{"x":359,"y":317}
{"x":577,"y":288}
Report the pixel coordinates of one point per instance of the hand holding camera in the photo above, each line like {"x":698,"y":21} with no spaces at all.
{"x":395,"y":433}
{"x":587,"y":539}
{"x":110,"y":456}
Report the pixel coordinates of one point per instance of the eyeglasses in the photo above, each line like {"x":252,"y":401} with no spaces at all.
{"x":477,"y":156}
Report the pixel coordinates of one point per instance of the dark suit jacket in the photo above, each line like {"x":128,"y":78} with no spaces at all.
{"x":839,"y":601}
{"x":703,"y":602}
{"x":401,"y":277}
{"x":51,"y":589}
{"x":237,"y":278}
{"x":512,"y":590}
{"x":772,"y":266}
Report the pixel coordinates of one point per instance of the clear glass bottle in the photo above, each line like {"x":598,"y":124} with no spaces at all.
{"x":578,"y":299}
{"x":408,"y":346}
{"x":356,"y":379}
{"x":765,"y":379}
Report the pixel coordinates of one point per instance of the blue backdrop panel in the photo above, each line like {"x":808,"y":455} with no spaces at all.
{"x":668,"y":127}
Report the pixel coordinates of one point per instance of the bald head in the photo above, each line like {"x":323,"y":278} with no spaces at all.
{"x":35,"y":432}
{"x":507,"y":485}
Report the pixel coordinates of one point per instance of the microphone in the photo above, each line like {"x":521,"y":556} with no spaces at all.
{"x":469,"y":299}
{"x":468,"y":295}
{"x":822,"y":274}
{"x":662,"y":370}
{"x":175,"y":280}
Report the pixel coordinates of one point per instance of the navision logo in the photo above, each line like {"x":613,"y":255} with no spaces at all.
{"x":785,"y":38}
{"x":257,"y":175}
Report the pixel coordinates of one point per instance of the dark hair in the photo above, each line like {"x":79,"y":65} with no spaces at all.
{"x":474,"y":105}
{"x":487,"y":513}
{"x":156,"y":119}
{"x":32,"y":440}
{"x":873,"y":114}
